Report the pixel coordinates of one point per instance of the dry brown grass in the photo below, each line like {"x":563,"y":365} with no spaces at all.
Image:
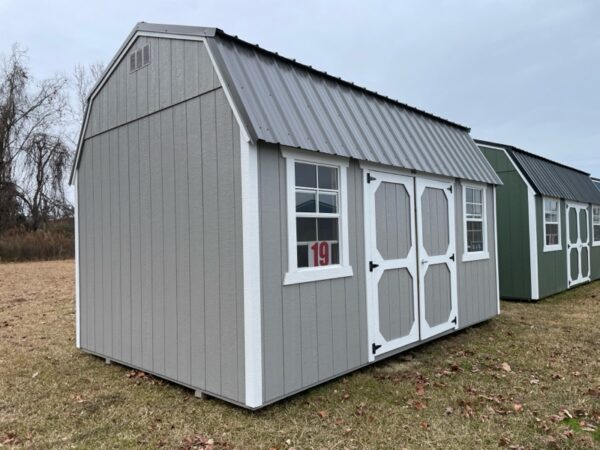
{"x":41,"y":245}
{"x":454,"y":393}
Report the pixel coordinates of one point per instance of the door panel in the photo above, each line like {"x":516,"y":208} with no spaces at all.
{"x":585,"y":270}
{"x":390,"y":248}
{"x":574,"y":258}
{"x":437,"y":261}
{"x":578,"y":243}
{"x":435,"y":221}
{"x":396,"y":304}
{"x":583,"y":225}
{"x":393,"y":220}
{"x":439,"y":301}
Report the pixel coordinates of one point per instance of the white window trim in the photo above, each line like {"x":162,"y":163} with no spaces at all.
{"x":297,"y":275}
{"x":554,"y":247}
{"x":484,"y":254}
{"x":594,"y":242}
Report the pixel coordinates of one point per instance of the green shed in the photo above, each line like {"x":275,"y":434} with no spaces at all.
{"x":548,"y":224}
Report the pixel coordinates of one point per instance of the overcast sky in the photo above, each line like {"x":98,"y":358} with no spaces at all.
{"x":525,"y":73}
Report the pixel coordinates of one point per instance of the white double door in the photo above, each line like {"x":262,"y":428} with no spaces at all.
{"x":411,"y":262}
{"x":578,"y":243}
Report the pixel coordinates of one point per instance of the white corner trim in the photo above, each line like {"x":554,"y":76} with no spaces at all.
{"x":294,"y":274}
{"x":77,"y":262}
{"x":484,"y":254}
{"x":496,"y":257}
{"x":533,"y":242}
{"x":251,"y":269}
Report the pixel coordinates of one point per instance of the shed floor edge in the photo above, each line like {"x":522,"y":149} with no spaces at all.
{"x":166,"y":378}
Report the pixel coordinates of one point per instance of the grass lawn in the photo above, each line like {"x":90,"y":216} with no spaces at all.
{"x":528,"y":379}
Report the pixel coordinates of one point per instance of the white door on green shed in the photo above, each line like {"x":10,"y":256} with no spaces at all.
{"x":411,"y":268}
{"x":578,"y":243}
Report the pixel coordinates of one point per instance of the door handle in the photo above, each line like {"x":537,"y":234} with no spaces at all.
{"x":424,"y":261}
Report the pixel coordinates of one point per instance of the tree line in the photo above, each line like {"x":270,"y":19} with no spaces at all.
{"x":39,"y":128}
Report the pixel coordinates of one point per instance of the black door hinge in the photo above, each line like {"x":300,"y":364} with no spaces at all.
{"x":374,"y":347}
{"x":450,"y":188}
{"x":370,"y":178}
{"x":454,"y":320}
{"x":452,"y":257}
{"x":372,"y":266}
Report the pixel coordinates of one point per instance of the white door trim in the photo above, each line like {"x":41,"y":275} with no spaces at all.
{"x":579,"y":245}
{"x":426,"y":260}
{"x":372,"y":254}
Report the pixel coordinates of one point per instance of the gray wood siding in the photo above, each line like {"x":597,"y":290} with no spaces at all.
{"x":178,"y":70}
{"x":161,"y":242}
{"x":477,"y":291}
{"x":311,"y":331}
{"x":314,"y":331}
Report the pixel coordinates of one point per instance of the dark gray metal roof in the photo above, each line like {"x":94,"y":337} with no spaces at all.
{"x":285,"y":102}
{"x":288,"y":103}
{"x":551,"y":178}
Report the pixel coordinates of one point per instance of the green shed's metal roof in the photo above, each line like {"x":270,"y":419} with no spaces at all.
{"x":551,"y":178}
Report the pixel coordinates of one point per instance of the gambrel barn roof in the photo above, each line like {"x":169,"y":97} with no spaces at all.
{"x":550,"y":178}
{"x":284,"y":102}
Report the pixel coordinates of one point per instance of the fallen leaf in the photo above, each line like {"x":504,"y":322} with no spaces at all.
{"x":35,"y":375}
{"x":504,"y":366}
{"x":455,"y":368}
{"x":419,"y":405}
{"x":518,"y":407}
{"x":534,"y":381}
{"x":424,"y":424}
{"x":322,"y":414}
{"x":448,"y":410}
{"x":420,"y":389}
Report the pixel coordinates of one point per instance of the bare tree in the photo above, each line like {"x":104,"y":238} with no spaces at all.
{"x":32,"y":114}
{"x":84,"y":79}
{"x":44,"y":167}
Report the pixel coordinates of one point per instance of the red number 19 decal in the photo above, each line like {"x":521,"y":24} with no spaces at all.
{"x":320,"y":251}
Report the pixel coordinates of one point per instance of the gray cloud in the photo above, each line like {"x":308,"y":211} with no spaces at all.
{"x":525,"y":73}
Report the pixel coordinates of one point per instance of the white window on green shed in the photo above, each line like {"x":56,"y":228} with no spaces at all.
{"x":552,"y":240}
{"x":475,"y":230}
{"x":596,"y":225}
{"x":317,"y":218}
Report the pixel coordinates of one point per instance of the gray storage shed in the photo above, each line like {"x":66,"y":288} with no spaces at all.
{"x":249,"y":227}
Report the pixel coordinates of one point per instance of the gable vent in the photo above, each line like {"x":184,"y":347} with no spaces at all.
{"x":139,"y":58}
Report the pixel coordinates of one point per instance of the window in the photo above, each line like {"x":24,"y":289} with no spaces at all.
{"x":139,"y":58}
{"x":595,"y":225}
{"x":551,"y":224}
{"x":474,"y":223}
{"x":317,"y":218}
